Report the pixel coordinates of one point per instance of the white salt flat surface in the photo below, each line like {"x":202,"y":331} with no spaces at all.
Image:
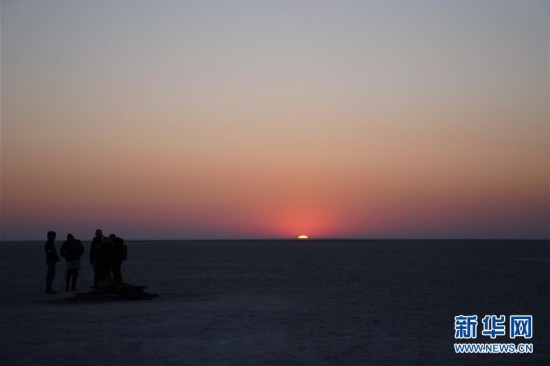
{"x":278,"y":303}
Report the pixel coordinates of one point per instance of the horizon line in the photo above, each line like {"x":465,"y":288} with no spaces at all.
{"x":311,"y":239}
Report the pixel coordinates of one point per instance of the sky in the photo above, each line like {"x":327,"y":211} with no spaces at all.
{"x":271,"y":119}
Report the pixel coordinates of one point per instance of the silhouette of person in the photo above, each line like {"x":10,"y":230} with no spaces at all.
{"x":120,"y":252}
{"x":104,"y":260}
{"x":51,"y":259}
{"x":72,"y":250}
{"x":94,"y":257}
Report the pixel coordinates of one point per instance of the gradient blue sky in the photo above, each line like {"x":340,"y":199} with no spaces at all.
{"x":241,"y":119}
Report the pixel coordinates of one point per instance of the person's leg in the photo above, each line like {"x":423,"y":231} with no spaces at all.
{"x":117,"y":274}
{"x":102,"y":275}
{"x":97,"y":272}
{"x":49,"y":277}
{"x":75,"y":275}
{"x":67,"y":279}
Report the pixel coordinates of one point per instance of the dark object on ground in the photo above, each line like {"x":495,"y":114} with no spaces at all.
{"x":111,"y":292}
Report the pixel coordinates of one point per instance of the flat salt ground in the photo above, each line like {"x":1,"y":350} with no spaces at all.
{"x":279,"y":303}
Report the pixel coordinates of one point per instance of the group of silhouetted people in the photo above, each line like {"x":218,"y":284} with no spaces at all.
{"x":106,"y":257}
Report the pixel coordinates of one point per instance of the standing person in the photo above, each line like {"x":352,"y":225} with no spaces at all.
{"x":72,"y":251}
{"x":51,"y":259}
{"x":104,"y":261}
{"x":120,"y":252}
{"x":94,"y":254}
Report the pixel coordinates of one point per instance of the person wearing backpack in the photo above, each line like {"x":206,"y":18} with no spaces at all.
{"x":120,"y":253}
{"x":72,"y":250}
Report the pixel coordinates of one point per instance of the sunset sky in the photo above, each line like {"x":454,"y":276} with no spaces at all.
{"x":270,"y":119}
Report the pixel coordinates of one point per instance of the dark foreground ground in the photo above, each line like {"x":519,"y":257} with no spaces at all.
{"x":279,"y":303}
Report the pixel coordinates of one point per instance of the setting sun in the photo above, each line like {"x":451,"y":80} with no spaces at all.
{"x":303,"y":237}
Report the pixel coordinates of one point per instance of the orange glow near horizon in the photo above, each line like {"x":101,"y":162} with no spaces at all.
{"x":220,"y":125}
{"x":303,"y":237}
